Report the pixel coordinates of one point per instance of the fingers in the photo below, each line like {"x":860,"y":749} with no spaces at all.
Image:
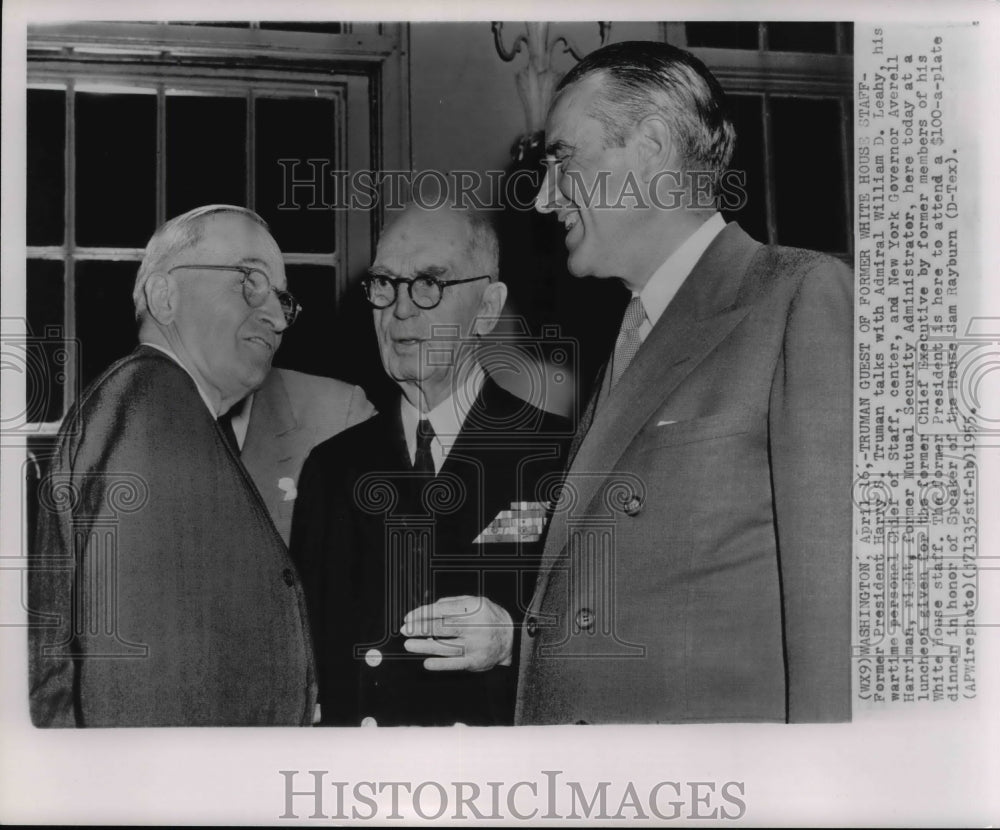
{"x":436,"y":648}
{"x":442,"y":618}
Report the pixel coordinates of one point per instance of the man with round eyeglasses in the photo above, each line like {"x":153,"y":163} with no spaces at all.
{"x":163,"y":591}
{"x":417,"y":532}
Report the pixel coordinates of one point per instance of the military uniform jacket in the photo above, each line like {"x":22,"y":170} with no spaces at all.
{"x":374,"y":540}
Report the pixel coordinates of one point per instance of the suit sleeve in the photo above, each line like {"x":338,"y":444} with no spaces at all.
{"x":811,"y":466}
{"x":51,"y":671}
{"x":359,"y":408}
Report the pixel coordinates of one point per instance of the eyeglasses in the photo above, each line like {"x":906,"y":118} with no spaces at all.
{"x":256,"y":288}
{"x":425,"y":292}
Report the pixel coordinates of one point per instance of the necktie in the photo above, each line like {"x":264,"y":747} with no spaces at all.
{"x":628,"y":341}
{"x":423,"y":461}
{"x":226,"y":422}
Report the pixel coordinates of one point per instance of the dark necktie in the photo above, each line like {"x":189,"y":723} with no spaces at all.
{"x":423,"y":461}
{"x":226,"y":422}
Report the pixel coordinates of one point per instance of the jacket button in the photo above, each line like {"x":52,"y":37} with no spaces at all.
{"x":289,"y":576}
{"x":532,"y":626}
{"x":373,"y":657}
{"x":369,"y":721}
{"x":585,"y":619}
{"x":633,"y":506}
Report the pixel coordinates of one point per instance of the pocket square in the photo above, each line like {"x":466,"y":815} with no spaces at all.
{"x":665,"y":423}
{"x":523,"y":521}
{"x":287,"y":486}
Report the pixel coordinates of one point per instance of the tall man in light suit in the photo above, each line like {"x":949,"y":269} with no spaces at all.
{"x":712,"y":469}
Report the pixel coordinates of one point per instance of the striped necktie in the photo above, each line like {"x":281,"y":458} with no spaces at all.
{"x":628,"y":341}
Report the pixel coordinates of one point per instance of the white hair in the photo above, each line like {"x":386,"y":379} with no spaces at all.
{"x":172,"y":237}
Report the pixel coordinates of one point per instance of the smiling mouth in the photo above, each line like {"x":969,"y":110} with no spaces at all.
{"x":260,"y":341}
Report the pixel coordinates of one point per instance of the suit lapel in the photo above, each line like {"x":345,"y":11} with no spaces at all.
{"x":269,"y":449}
{"x":701,"y":315}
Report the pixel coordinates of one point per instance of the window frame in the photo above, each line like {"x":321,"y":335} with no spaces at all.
{"x":366,"y":65}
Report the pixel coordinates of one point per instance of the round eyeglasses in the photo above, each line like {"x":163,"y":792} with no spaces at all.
{"x":256,"y":288}
{"x":425,"y":291}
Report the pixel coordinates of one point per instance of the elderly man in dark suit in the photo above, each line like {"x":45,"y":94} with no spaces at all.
{"x":697,"y":567}
{"x":417,"y":531}
{"x":161,"y":592}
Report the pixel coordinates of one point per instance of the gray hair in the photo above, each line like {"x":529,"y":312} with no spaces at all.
{"x":640,"y":78}
{"x":174,"y":236}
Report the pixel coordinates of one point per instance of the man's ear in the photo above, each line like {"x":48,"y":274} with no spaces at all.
{"x":490,"y":307}
{"x":160,"y":291}
{"x":654,"y":146}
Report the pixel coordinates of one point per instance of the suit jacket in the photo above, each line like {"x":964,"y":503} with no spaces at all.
{"x":374,"y":541}
{"x":292,"y":413}
{"x":160,"y":592}
{"x":697,"y":566}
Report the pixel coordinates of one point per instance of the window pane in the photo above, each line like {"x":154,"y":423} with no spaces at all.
{"x":105,"y":316}
{"x":802,"y":37}
{"x":723,"y":35}
{"x":115,"y":169}
{"x":292,"y":26}
{"x":46,"y":368}
{"x":747,"y":114}
{"x":46,"y":137}
{"x":206,"y":151}
{"x":809,"y":173}
{"x":296,"y":130}
{"x":307,"y":345}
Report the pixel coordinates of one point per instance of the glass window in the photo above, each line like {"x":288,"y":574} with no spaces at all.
{"x":206,"y":137}
{"x":46,"y":139}
{"x":295,"y":131}
{"x":723,"y":35}
{"x":115,"y":169}
{"x":747,"y":114}
{"x":46,"y":373}
{"x":802,"y":37}
{"x":807,"y":153}
{"x":105,"y":315}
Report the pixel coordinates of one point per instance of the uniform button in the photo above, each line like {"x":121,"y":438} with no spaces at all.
{"x":373,"y":657}
{"x":289,"y":576}
{"x":633,"y":506}
{"x":369,"y":721}
{"x":532,"y":626}
{"x":585,"y":619}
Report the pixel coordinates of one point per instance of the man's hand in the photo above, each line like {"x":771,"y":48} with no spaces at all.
{"x":460,"y":633}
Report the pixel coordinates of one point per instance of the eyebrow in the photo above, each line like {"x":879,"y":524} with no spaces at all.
{"x":428,"y":271}
{"x":252,"y":260}
{"x":556,"y":147}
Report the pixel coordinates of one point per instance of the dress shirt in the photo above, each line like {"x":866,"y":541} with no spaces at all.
{"x":446,"y":418}
{"x":668,"y":278}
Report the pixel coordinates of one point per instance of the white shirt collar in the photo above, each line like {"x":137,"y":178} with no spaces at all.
{"x":668,"y":278}
{"x":447,"y":418}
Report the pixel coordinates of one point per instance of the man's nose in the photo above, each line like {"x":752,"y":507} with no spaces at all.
{"x":404,"y":307}
{"x":548,"y":195}
{"x":272,"y":313}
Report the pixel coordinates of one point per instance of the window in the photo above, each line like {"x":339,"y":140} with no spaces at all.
{"x":790,"y":89}
{"x":129,"y":124}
